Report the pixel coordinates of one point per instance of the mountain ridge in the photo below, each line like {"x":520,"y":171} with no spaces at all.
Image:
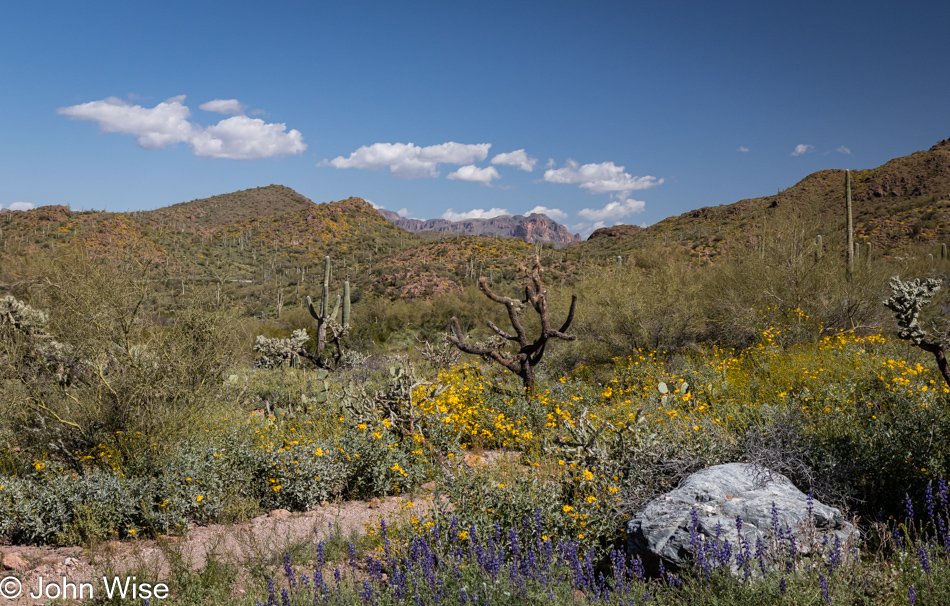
{"x":535,"y":228}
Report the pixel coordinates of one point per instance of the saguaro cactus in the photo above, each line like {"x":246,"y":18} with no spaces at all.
{"x":529,"y":353}
{"x":847,"y":185}
{"x":326,"y":319}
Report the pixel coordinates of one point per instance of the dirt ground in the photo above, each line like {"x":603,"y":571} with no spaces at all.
{"x":259,"y":539}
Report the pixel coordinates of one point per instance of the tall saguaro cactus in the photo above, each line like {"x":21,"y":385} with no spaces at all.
{"x":847,"y":185}
{"x":326,"y":319}
{"x":529,"y":353}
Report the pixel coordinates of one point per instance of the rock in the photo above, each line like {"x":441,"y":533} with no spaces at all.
{"x":663,"y":530}
{"x":13,"y":561}
{"x":472,"y":460}
{"x":428,"y":486}
{"x":374,"y":503}
{"x":279,"y":513}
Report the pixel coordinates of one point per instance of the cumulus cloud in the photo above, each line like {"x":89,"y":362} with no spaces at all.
{"x":470,"y":172}
{"x":555,"y":213}
{"x":163,"y":125}
{"x":518,"y":158}
{"x":21,"y":206}
{"x":478,"y":213}
{"x":743,"y":149}
{"x":843,"y":150}
{"x":409,"y":161}
{"x":238,"y":138}
{"x":602,"y":178}
{"x":224,"y":106}
{"x":801,"y":148}
{"x":613,"y":211}
{"x":243,"y":138}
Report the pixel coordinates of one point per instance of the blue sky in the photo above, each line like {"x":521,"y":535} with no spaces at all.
{"x":602,"y":112}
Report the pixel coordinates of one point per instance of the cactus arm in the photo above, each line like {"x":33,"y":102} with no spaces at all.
{"x":346,"y":304}
{"x":500,"y":332}
{"x":336,"y":309}
{"x":313,"y":312}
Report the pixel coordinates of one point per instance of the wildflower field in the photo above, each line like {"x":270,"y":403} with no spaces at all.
{"x":135,"y":425}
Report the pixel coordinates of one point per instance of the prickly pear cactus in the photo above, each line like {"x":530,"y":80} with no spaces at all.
{"x":276,"y":352}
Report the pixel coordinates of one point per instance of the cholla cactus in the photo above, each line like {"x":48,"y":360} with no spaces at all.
{"x":275,"y":352}
{"x":56,"y":358}
{"x":22,"y":317}
{"x":906,"y":302}
{"x":529,"y":352}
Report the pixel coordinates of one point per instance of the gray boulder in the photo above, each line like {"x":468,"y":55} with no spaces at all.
{"x":668,"y":530}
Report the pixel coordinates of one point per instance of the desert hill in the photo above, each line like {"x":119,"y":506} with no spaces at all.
{"x":906,"y":200}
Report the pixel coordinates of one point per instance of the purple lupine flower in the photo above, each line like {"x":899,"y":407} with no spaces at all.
{"x":694,"y":528}
{"x":289,"y":571}
{"x":909,"y":508}
{"x":834,"y":558}
{"x":942,"y":492}
{"x":923,"y":554}
{"x":637,"y":567}
{"x":825,"y":592}
{"x":284,"y":598}
{"x":810,"y":506}
{"x":367,"y":593}
{"x":929,"y":500}
{"x":760,"y":556}
{"x":912,"y":595}
{"x":782,"y":586}
{"x":739,"y":525}
{"x":271,"y":593}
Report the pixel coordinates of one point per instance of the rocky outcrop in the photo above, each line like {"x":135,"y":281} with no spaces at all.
{"x":705,"y":509}
{"x":535,"y":228}
{"x":617,"y":231}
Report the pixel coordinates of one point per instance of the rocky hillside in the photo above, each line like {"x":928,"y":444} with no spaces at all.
{"x":217,"y":211}
{"x":534,"y":229}
{"x":906,"y":200}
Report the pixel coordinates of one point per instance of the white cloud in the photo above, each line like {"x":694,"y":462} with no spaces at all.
{"x":601,"y":178}
{"x":158,"y":127}
{"x":403,"y":212}
{"x":243,"y":138}
{"x":518,"y":158}
{"x":409,"y":161}
{"x":550,"y":163}
{"x":555,"y":213}
{"x":373,"y":204}
{"x":743,"y":149}
{"x":478,"y":213}
{"x":613,"y":211}
{"x":224,"y":106}
{"x":470,"y":172}
{"x":843,"y":150}
{"x":239,"y":137}
{"x":801,"y":148}
{"x":21,"y":206}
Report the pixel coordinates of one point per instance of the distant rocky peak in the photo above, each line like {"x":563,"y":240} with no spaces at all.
{"x":535,"y":228}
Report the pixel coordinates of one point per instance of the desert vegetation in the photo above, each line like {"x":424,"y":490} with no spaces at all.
{"x":152,"y":389}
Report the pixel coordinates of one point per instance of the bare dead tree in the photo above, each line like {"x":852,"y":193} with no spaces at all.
{"x":529,"y":353}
